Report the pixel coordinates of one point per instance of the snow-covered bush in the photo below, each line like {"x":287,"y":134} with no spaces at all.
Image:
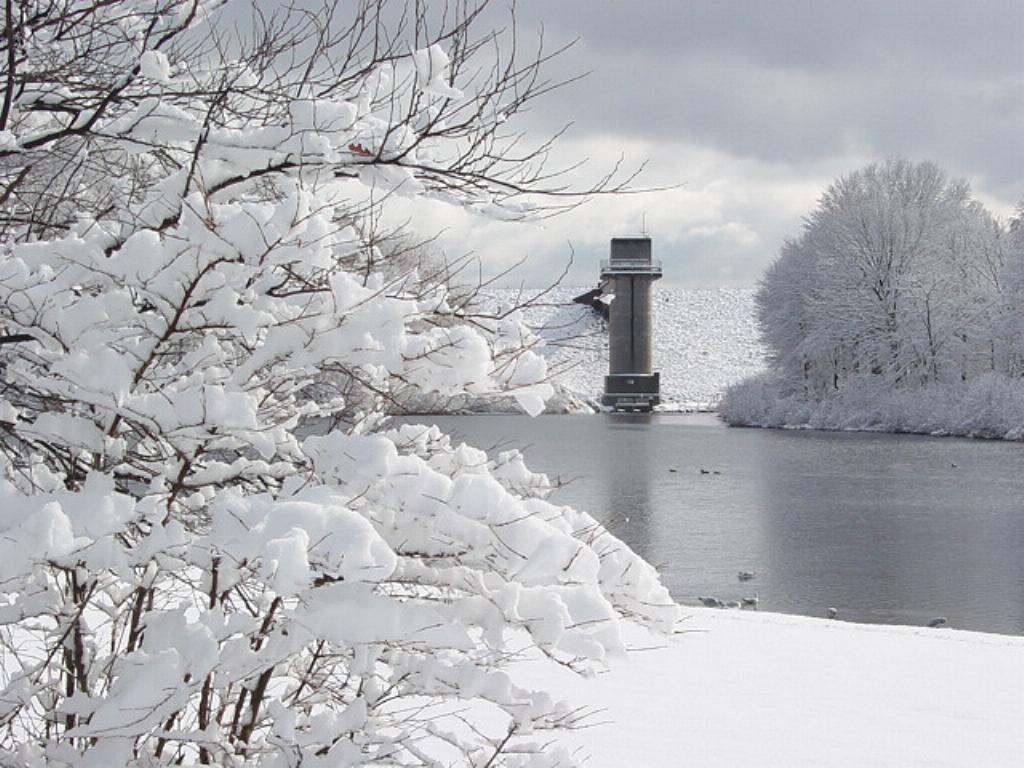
{"x":213,"y":550}
{"x":990,"y":406}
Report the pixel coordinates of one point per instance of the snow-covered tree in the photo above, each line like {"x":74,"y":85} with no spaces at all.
{"x":898,"y":268}
{"x":1011,"y":318}
{"x":900,"y":282}
{"x":214,"y":550}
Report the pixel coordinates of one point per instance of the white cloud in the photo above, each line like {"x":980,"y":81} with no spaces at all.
{"x":720,"y":225}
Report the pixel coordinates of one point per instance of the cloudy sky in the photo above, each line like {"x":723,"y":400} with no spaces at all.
{"x":753,"y":108}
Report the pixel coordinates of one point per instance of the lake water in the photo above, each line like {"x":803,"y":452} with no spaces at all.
{"x":894,"y":529}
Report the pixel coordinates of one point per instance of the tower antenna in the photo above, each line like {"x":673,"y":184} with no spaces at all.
{"x":643,"y":225}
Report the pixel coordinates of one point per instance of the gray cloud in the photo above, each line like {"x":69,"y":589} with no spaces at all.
{"x":793,"y":81}
{"x":757,"y":106}
{"x":754,"y":106}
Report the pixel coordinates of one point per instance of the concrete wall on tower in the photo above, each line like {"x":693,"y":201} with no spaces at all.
{"x":628,"y":275}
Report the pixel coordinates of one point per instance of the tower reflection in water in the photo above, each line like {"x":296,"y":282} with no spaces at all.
{"x":627,"y":481}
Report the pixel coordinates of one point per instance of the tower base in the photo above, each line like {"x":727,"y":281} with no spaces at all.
{"x":632,"y":391}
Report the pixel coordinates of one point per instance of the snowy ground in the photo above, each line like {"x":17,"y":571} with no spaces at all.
{"x":705,"y":340}
{"x":740,"y":688}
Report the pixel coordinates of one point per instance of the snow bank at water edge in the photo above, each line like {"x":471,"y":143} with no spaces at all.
{"x":740,"y":688}
{"x":990,"y":406}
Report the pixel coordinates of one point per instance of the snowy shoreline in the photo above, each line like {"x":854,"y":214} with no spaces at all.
{"x":877,"y":431}
{"x":752,"y":688}
{"x":990,"y":407}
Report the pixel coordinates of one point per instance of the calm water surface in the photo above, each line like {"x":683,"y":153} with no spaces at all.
{"x":886,"y":528}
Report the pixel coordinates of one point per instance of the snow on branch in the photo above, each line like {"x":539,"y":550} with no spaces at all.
{"x":213,"y":549}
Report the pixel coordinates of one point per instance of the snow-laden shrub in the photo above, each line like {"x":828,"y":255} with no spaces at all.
{"x":330,"y":623}
{"x":757,"y":402}
{"x":990,"y":406}
{"x":212,"y":549}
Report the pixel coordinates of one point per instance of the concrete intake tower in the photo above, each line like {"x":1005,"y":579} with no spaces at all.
{"x":627,"y":276}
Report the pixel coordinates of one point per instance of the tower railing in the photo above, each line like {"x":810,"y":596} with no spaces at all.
{"x":630,"y":267}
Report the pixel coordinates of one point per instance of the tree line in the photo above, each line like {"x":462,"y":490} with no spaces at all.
{"x":899,"y":281}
